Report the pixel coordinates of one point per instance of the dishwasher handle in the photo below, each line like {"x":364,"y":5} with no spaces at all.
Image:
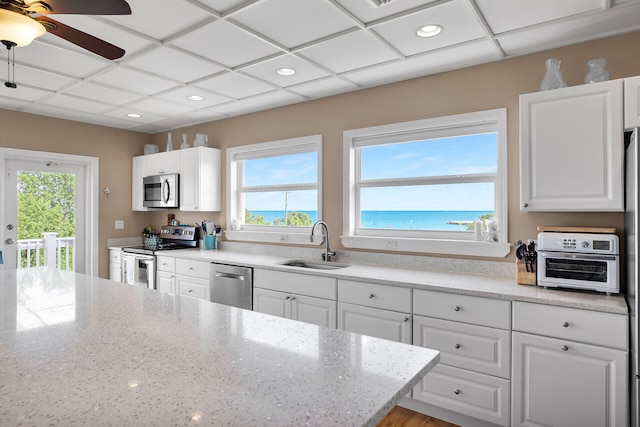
{"x":229,"y":276}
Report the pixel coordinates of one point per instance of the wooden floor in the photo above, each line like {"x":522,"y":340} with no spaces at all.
{"x":402,"y":417}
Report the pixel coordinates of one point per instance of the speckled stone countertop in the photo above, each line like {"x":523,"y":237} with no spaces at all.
{"x":79,"y":350}
{"x":460,"y":283}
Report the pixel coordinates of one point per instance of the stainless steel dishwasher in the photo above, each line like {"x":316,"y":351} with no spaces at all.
{"x":232,"y":285}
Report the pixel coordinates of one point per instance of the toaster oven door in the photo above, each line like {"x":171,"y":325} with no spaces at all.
{"x":579,"y":270}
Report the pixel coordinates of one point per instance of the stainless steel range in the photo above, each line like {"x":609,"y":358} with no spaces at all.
{"x":139,"y":262}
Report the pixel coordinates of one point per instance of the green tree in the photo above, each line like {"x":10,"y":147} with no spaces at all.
{"x":46,"y":202}
{"x":254,"y":219}
{"x":294,"y":219}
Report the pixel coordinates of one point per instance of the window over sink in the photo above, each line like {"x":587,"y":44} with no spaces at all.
{"x":421,"y":186}
{"x":274,"y":190}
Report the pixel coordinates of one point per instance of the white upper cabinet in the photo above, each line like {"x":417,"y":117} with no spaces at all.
{"x":571,"y":149}
{"x":163,"y":163}
{"x":632,"y":102}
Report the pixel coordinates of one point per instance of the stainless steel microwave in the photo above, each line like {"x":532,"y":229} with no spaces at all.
{"x":161,"y":191}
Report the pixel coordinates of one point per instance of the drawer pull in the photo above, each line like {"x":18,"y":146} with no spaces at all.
{"x":456,"y":308}
{"x":457,"y":346}
{"x":190,"y":290}
{"x":564,"y":348}
{"x":456,"y":391}
{"x":565,"y":324}
{"x":371,"y":296}
{"x":190,"y":268}
{"x":292,"y":298}
{"x":288,"y":297}
{"x":405,"y":320}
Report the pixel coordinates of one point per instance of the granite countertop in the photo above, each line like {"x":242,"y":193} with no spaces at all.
{"x":460,"y":283}
{"x":76,"y":349}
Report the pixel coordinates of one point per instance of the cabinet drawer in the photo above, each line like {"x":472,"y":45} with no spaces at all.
{"x":387,"y":297}
{"x":592,"y":327}
{"x":193,"y":287}
{"x":478,"y":348}
{"x":385,"y":324}
{"x":115,"y":256}
{"x":193,"y":268}
{"x":463,"y":308}
{"x":165,"y":263}
{"x":302,"y":284}
{"x":476,"y":395}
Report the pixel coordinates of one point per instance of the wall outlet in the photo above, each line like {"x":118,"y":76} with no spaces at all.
{"x":119,"y":224}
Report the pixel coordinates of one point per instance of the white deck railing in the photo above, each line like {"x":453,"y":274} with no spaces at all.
{"x":50,"y":251}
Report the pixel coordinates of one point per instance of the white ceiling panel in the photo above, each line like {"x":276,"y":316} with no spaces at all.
{"x":180,"y":96}
{"x":191,"y":118}
{"x":229,"y":50}
{"x":161,"y":19}
{"x":135,"y":81}
{"x":304,"y":20}
{"x":458,"y":20}
{"x":212,"y":42}
{"x":235,"y":85}
{"x":513,"y":14}
{"x":174,"y":64}
{"x":103,"y":93}
{"x":354,"y":50}
{"x":324,"y":87}
{"x":266,"y":70}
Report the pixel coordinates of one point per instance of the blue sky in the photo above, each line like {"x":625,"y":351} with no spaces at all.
{"x":437,"y":157}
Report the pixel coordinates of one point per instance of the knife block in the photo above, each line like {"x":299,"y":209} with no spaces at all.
{"x":524,"y":277}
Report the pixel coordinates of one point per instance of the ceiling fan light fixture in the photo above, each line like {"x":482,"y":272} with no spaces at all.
{"x":285,"y":71}
{"x":195,"y":98}
{"x":430,"y":30}
{"x":19,"y":29}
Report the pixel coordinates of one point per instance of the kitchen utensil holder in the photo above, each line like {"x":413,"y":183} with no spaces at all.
{"x":209,"y":241}
{"x":524,"y":277}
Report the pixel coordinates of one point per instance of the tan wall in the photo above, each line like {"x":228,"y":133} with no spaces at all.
{"x":113,"y":147}
{"x":483,"y":87}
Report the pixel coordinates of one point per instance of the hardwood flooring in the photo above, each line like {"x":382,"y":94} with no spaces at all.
{"x":402,"y":417}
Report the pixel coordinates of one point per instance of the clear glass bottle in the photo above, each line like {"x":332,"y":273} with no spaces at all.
{"x":597,"y":72}
{"x":553,"y":77}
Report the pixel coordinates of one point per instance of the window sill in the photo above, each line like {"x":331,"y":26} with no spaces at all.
{"x":433,"y":246}
{"x":272,"y":237}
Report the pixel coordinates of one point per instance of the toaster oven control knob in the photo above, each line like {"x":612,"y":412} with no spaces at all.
{"x":584,"y":244}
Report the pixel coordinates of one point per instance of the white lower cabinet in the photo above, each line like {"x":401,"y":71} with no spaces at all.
{"x":115,"y":265}
{"x":474,"y":339}
{"x":562,"y":382}
{"x":166,"y":274}
{"x":192,"y":279}
{"x":310,"y":299}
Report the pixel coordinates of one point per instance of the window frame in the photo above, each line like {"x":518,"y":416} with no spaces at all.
{"x":235,"y":207}
{"x":421,"y":241}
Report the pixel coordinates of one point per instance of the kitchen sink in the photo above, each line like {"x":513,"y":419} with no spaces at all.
{"x":317,"y":265}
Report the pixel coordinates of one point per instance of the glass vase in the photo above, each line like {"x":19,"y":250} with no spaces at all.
{"x":553,"y":77}
{"x":597,"y":72}
{"x":169,"y":142}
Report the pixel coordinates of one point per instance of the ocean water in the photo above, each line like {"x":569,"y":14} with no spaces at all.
{"x":405,"y":220}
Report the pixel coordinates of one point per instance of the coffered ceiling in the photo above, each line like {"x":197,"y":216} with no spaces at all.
{"x":228,"y":51}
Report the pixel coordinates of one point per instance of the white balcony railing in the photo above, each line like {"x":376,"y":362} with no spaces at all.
{"x":50,"y":251}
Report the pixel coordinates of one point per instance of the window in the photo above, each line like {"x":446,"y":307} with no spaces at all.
{"x":274,"y":190}
{"x":421,"y":186}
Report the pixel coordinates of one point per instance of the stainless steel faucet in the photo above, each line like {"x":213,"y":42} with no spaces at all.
{"x":328,"y":253}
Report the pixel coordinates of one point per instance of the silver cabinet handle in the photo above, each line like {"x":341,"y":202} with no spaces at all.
{"x":288,"y":297}
{"x":525,"y":205}
{"x":371,"y":296}
{"x":457,"y":346}
{"x":405,"y":320}
{"x":564,"y":348}
{"x":456,"y":308}
{"x":9,"y":241}
{"x":565,"y":324}
{"x":292,"y":298}
{"x":456,"y":391}
{"x":190,"y":290}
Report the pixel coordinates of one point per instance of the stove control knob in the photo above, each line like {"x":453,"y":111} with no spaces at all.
{"x":585,"y":244}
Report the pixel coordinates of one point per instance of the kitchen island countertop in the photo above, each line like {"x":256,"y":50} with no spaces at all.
{"x":77,"y":349}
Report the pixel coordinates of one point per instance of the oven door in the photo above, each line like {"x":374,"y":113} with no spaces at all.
{"x":579,"y":271}
{"x":139,"y":270}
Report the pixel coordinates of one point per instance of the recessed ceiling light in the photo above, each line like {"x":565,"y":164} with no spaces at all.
{"x":285,"y":71}
{"x":195,"y":98}
{"x":429,"y":30}
{"x":134,"y":115}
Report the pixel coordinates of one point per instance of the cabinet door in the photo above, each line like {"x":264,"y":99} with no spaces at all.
{"x":317,"y":311}
{"x":115,"y":272}
{"x":166,"y":282}
{"x":272,"y":302}
{"x":194,"y":287}
{"x":632,"y":102}
{"x":391,"y":325}
{"x":571,"y":149}
{"x":200,"y":185}
{"x":164,"y":163}
{"x":566,"y":384}
{"x":138,"y":172}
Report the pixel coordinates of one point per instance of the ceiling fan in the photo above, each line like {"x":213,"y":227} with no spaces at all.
{"x":22,"y":22}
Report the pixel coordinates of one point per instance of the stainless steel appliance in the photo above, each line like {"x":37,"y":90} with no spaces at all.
{"x":161,"y":191}
{"x":232,"y":285}
{"x":579,"y":260}
{"x":632,"y":253}
{"x":139,"y":262}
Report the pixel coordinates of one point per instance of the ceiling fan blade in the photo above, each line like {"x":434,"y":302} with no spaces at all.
{"x":86,"y":7}
{"x":80,"y":38}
